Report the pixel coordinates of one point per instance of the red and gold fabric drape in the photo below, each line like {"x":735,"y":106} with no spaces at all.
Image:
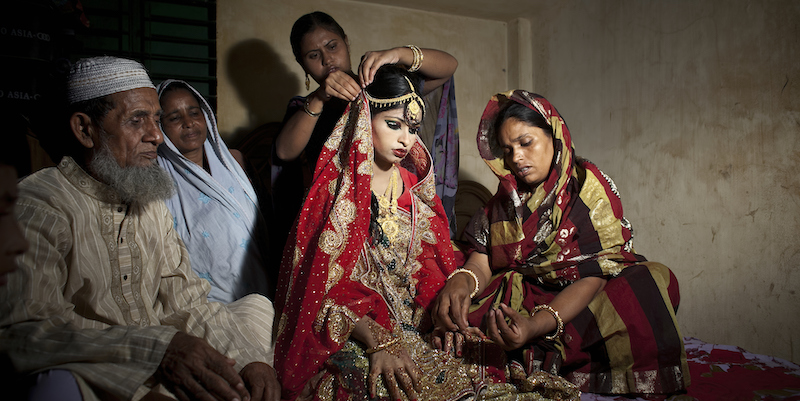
{"x":320,"y":298}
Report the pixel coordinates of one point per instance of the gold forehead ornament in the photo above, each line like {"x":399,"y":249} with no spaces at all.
{"x":415,"y":106}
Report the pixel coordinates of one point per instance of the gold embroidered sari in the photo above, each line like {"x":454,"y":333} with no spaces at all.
{"x":335,"y":274}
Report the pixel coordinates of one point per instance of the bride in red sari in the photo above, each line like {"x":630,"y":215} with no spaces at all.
{"x":368,"y":255}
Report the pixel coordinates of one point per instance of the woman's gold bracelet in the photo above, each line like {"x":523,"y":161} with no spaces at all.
{"x":474,"y":277}
{"x":559,"y":322}
{"x":381,"y":347}
{"x":418,"y":57}
{"x":308,"y":111}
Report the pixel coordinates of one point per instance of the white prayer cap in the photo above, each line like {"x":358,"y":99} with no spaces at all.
{"x":95,"y":77}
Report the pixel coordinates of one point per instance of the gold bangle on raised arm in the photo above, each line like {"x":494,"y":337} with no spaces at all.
{"x":418,"y":57}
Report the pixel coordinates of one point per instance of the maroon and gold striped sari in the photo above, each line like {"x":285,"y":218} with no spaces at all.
{"x":571,"y":226}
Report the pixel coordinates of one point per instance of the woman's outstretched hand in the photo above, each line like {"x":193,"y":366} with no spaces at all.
{"x":451,"y":307}
{"x":399,"y":372}
{"x":509,"y":336}
{"x":338,"y":84}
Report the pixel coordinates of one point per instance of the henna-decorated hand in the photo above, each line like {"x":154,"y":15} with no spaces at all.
{"x":400,"y":372}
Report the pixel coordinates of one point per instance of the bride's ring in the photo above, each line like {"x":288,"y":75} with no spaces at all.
{"x":405,"y":380}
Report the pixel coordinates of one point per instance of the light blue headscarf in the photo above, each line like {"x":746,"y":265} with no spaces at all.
{"x":215,"y":214}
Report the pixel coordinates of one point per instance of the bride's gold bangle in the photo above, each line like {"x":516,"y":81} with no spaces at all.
{"x":381,"y":347}
{"x":474,"y":277}
{"x":559,"y":322}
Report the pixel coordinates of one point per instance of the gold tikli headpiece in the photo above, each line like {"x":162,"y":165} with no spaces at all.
{"x":415,"y":106}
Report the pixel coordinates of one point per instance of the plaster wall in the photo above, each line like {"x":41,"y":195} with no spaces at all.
{"x":258,"y":74}
{"x":694,"y":109}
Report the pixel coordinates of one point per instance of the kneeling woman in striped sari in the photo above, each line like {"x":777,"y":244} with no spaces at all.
{"x":551,"y":275}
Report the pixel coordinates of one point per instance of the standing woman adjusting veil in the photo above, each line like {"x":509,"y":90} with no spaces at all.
{"x":322,"y":48}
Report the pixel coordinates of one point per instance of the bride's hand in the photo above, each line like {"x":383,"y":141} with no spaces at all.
{"x":448,"y":341}
{"x":399,"y":371}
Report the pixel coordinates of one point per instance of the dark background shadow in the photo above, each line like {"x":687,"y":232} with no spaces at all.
{"x":262,"y":81}
{"x":264,"y":85}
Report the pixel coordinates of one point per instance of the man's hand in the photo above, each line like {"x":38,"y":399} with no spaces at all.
{"x":262,"y":381}
{"x":193,"y":370}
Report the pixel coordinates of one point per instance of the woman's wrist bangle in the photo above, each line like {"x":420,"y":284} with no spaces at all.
{"x":308,"y":111}
{"x":474,"y":277}
{"x":418,"y":57}
{"x":381,"y":347}
{"x":559,"y":322}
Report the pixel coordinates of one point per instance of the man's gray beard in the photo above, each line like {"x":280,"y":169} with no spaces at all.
{"x":140,"y":185}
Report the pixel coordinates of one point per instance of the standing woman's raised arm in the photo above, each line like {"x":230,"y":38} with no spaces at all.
{"x":435,"y":66}
{"x":297,"y":130}
{"x":321,"y":47}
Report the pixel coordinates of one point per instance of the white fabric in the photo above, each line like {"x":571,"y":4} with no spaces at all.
{"x":95,"y":77}
{"x":69,"y":306}
{"x":215,"y":213}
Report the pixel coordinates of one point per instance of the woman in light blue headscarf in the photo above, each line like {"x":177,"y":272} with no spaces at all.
{"x":215,"y":208}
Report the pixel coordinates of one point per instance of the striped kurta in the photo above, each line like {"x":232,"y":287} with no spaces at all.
{"x":105,"y":286}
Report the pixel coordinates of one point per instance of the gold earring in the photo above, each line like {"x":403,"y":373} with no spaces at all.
{"x":308,"y":84}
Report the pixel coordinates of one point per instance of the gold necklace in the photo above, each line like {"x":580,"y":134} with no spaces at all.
{"x":387,"y":206}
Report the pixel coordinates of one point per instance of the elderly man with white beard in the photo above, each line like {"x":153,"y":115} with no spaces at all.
{"x":104,"y":304}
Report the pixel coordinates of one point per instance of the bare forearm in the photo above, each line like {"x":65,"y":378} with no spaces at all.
{"x":569,"y":303}
{"x":451,"y":308}
{"x":437,"y":66}
{"x":478,"y":263}
{"x":296,"y":132}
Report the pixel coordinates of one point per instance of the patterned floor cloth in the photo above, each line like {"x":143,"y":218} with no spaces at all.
{"x":729,"y":373}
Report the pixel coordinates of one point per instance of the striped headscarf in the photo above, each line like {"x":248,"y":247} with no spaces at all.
{"x":534,"y":230}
